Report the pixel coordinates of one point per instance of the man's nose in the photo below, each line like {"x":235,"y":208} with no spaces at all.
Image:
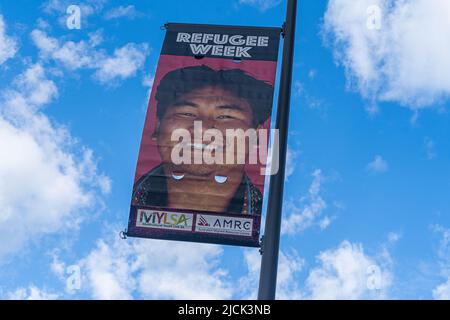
{"x":207,"y":123}
{"x":204,"y":123}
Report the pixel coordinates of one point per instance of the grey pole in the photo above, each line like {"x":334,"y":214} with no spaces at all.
{"x":271,"y":241}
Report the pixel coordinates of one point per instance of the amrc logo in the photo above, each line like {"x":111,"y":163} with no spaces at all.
{"x":224,"y":225}
{"x":164,"y":220}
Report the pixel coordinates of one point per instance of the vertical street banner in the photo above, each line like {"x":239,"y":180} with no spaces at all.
{"x":203,"y":156}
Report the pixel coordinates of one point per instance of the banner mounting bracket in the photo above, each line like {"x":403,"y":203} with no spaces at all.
{"x":283,"y":30}
{"x":261,"y":244}
{"x":123,"y":234}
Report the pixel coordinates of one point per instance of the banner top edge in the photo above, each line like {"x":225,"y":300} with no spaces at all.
{"x":178,"y":24}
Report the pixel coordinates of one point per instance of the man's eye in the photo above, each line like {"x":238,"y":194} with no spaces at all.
{"x":225,"y":117}
{"x":186,"y":115}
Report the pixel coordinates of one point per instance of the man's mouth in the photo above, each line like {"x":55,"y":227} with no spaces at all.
{"x":178,"y":176}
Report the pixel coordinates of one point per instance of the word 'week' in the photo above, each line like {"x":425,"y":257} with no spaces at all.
{"x":222,"y":44}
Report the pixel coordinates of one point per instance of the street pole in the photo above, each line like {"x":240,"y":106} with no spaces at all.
{"x":271,"y":241}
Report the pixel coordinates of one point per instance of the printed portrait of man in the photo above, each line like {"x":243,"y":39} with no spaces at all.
{"x":221,"y":100}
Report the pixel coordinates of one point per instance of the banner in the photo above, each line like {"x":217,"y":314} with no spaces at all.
{"x":201,"y":166}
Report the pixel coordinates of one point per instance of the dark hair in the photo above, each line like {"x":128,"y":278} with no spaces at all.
{"x":179,"y":82}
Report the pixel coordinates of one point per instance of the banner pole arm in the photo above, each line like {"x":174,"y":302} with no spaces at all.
{"x":271,"y":243}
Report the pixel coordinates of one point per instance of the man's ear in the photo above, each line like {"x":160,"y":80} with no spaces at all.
{"x":156,"y":132}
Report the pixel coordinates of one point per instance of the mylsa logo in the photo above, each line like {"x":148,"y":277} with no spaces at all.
{"x":164,"y":220}
{"x":224,"y":225}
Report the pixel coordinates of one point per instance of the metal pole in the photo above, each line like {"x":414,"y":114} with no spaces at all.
{"x":271,"y":242}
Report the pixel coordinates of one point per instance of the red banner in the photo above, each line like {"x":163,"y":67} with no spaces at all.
{"x":200,"y":172}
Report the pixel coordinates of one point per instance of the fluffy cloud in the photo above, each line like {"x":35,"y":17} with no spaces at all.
{"x":347,"y":273}
{"x":122,"y":64}
{"x":306,"y":98}
{"x":72,"y":55}
{"x":151,"y":269}
{"x":393,"y":50}
{"x":430,"y":148}
{"x":60,"y":6}
{"x":31,"y":293}
{"x":378,"y":165}
{"x":394,"y":237}
{"x":307,"y":215}
{"x":262,"y":5}
{"x":291,"y":157}
{"x":129,"y":12}
{"x":442,"y":291}
{"x":290,"y":264}
{"x":46,"y":179}
{"x":8,"y":45}
{"x":35,"y":89}
{"x":87,"y":9}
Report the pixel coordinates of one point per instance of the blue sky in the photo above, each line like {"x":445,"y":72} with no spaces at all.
{"x":366,"y":212}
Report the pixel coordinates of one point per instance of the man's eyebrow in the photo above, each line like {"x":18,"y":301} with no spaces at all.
{"x":231,"y":107}
{"x":184,"y":103}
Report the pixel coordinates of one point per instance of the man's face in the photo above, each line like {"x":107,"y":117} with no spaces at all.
{"x":215,"y":108}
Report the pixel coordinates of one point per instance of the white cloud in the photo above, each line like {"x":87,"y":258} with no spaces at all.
{"x":290,"y":264}
{"x":394,"y":237}
{"x":60,"y":6}
{"x":444,"y":246}
{"x":312,"y":74}
{"x":105,"y":184}
{"x":152,"y":269}
{"x":298,"y":88}
{"x":31,"y":293}
{"x":129,"y":12}
{"x":442,"y":291}
{"x":347,"y":273}
{"x":291,"y":157}
{"x":262,"y":5}
{"x":58,"y":267}
{"x":44,"y":43}
{"x":8,"y":45}
{"x":72,"y":55}
{"x":307,"y":99}
{"x":87,"y":9}
{"x":398,"y":53}
{"x":47,"y":179}
{"x":148,"y":80}
{"x":378,"y":165}
{"x":36,"y":89}
{"x":305,"y":216}
{"x":124,"y":62}
{"x":324,"y":223}
{"x":430,"y":148}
